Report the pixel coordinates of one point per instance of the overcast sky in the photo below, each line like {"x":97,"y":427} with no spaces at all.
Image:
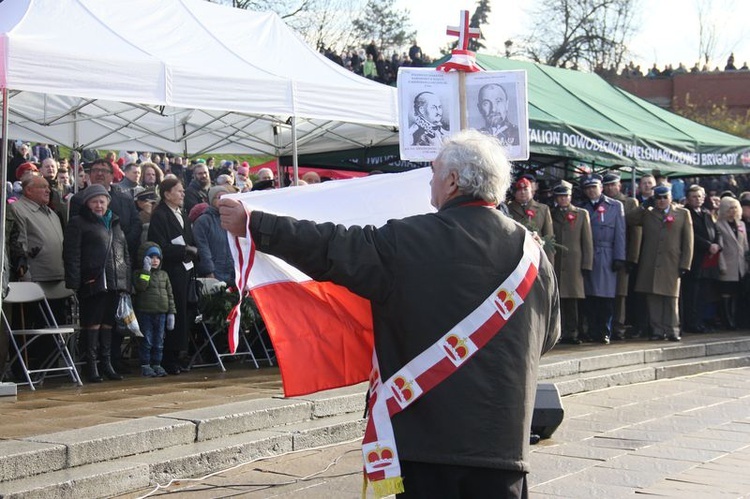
{"x":667,"y":29}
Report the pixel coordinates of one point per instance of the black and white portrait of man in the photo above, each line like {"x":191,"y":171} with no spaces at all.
{"x":493,"y":103}
{"x":428,"y":127}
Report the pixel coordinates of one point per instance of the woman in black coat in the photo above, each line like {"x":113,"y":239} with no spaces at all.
{"x":170,"y":229}
{"x":97,"y":267}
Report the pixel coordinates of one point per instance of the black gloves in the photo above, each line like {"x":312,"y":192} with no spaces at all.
{"x":191,"y":254}
{"x":618,"y":265}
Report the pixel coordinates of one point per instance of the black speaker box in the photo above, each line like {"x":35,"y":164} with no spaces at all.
{"x":548,"y":410}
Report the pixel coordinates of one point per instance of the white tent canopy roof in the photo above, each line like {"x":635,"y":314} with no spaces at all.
{"x":178,"y":75}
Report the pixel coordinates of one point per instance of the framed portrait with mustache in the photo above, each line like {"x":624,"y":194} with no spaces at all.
{"x":428,"y":111}
{"x":497,"y":105}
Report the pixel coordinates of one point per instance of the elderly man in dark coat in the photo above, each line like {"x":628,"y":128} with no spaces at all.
{"x":666,"y":254}
{"x":699,"y":283}
{"x":608,"y":230}
{"x":611,"y":186}
{"x":574,"y":255}
{"x":457,"y":258}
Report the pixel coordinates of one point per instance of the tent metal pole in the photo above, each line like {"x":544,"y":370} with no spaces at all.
{"x":184,"y":145}
{"x":3,"y":172}
{"x":76,"y":154}
{"x":277,"y":148}
{"x":295,"y":163}
{"x":632,"y":180}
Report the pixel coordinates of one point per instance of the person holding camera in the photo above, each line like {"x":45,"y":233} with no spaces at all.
{"x":170,"y":229}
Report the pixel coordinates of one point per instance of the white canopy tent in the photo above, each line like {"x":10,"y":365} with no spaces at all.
{"x":182,"y":76}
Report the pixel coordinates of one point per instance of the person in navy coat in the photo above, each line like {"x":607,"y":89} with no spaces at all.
{"x":607,"y":218}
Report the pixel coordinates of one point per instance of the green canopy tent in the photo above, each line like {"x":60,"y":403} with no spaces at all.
{"x":578,"y":118}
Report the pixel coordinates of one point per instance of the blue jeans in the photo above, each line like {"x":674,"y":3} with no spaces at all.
{"x":152,"y":343}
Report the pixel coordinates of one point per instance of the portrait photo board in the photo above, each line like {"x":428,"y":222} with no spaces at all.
{"x":427,"y":85}
{"x":486,"y":91}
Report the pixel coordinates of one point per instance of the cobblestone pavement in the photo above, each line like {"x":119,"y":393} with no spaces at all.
{"x":685,"y":437}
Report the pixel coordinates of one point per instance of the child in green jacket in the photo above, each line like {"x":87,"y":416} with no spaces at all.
{"x":154,"y":307}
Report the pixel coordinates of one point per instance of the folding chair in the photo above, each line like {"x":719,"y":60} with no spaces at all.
{"x":56,"y":290}
{"x":244,"y":349}
{"x":21,"y":339}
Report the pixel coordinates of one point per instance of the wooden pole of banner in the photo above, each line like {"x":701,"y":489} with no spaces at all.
{"x":462,"y":60}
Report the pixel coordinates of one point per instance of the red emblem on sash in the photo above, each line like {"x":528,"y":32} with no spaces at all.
{"x":402,"y":389}
{"x":455,"y":347}
{"x":380,"y":457}
{"x":505,"y":302}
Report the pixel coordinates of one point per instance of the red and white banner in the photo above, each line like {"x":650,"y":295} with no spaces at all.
{"x":321,"y":332}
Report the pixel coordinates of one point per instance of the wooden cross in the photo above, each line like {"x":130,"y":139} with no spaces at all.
{"x":463,"y":31}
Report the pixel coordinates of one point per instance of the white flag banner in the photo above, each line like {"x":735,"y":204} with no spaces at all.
{"x":321,"y":332}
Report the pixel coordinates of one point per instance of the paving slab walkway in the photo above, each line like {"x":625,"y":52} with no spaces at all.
{"x":680,"y":438}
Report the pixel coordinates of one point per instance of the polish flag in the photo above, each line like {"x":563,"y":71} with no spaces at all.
{"x":321,"y":332}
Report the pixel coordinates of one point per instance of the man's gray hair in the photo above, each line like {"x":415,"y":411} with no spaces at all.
{"x":481,"y":164}
{"x":28,"y":179}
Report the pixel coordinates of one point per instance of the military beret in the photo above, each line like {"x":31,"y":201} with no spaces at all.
{"x":25,"y":168}
{"x":522,"y":182}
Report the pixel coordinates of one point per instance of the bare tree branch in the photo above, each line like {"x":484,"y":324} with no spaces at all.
{"x":586,"y":34}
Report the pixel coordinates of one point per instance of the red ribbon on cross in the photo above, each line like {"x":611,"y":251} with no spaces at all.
{"x":462,"y":59}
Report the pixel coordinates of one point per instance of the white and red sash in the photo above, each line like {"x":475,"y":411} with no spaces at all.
{"x":434,"y":365}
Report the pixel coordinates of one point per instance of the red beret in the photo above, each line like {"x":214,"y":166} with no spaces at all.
{"x":523,"y":182}
{"x":24,"y":168}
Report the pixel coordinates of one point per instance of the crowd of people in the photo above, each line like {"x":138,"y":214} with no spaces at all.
{"x":136,"y":223}
{"x":669,"y":258}
{"x":374,"y":64}
{"x":632,"y":70}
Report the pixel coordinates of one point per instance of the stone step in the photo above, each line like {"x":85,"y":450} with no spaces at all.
{"x":106,"y":442}
{"x":81,"y":482}
{"x":130,"y":455}
{"x":577,"y":363}
{"x":208,"y":456}
{"x":640,"y":373}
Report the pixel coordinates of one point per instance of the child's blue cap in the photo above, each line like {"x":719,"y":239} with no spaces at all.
{"x":153,"y":251}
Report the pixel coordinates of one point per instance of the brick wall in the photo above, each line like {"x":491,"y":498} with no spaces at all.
{"x":702,"y":89}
